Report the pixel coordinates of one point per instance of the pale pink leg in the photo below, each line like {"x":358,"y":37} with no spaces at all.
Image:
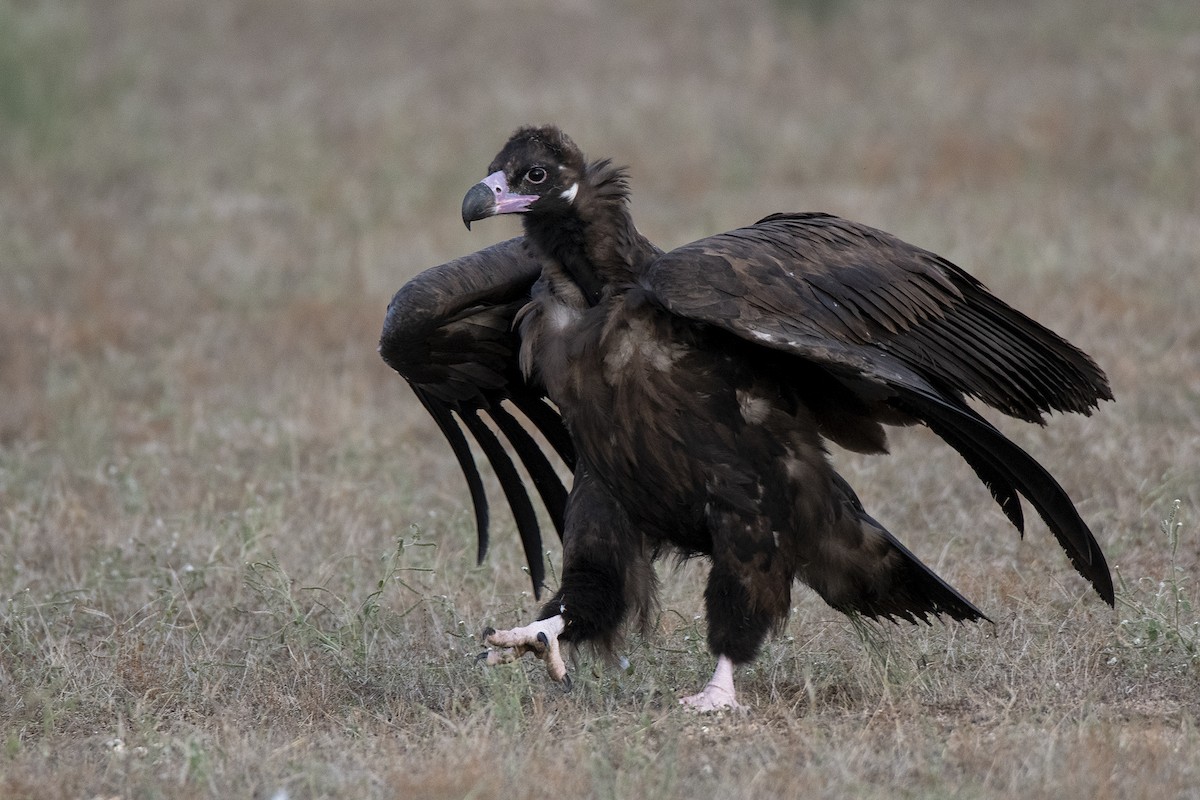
{"x":719,"y":694}
{"x":539,"y":638}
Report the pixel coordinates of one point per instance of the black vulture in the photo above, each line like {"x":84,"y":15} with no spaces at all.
{"x":691,"y":394}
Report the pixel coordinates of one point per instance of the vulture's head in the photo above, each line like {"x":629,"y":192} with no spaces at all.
{"x":538,"y":172}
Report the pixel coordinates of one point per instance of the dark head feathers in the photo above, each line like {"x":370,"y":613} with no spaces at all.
{"x":539,"y":144}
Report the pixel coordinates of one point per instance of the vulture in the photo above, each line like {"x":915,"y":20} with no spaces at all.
{"x":691,"y":395}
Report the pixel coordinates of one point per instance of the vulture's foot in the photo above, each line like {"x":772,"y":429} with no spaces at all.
{"x":718,"y":694}
{"x":539,"y":638}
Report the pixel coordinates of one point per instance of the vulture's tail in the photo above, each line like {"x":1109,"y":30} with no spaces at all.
{"x":886,"y":580}
{"x":917,"y":591}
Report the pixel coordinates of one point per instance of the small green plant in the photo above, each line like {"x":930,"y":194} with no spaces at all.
{"x":1161,"y":612}
{"x":317,"y":615}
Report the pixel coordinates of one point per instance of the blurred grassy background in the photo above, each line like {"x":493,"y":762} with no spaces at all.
{"x":216,"y":503}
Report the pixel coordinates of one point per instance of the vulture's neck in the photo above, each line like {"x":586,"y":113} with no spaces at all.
{"x":594,"y":243}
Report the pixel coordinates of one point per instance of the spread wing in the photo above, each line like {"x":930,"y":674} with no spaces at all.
{"x":449,"y":333}
{"x":903,"y":332}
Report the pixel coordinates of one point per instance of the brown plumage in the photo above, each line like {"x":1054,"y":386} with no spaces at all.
{"x":691,"y":393}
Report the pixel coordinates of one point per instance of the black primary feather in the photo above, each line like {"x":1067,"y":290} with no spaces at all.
{"x":449,"y":332}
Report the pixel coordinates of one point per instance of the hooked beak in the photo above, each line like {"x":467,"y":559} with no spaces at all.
{"x":490,"y":197}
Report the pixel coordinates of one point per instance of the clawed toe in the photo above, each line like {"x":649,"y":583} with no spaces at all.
{"x":539,"y":638}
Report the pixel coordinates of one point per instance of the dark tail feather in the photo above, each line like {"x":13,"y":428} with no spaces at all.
{"x":918,"y":591}
{"x":1000,"y":463}
{"x":897,"y":585}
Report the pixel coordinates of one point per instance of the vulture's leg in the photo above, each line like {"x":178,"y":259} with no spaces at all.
{"x":718,"y":694}
{"x":748,"y":593}
{"x":606,"y":573}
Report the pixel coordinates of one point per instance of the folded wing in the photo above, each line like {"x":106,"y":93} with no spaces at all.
{"x":905,"y":332}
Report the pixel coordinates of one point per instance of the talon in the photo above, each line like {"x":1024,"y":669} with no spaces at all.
{"x":539,"y":638}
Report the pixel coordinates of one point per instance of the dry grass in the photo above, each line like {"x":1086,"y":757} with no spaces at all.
{"x":236,"y":558}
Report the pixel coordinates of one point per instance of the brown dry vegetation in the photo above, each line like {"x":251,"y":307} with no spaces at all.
{"x":237,"y":560}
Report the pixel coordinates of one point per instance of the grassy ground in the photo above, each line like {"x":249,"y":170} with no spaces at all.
{"x":236,"y":559}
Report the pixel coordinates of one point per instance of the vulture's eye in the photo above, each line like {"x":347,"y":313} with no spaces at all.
{"x":535,"y":175}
